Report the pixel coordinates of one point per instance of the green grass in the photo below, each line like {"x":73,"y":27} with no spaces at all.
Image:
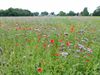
{"x":25,"y":45}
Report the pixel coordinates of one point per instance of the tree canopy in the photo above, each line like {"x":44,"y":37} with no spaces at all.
{"x":61,"y":13}
{"x":71,"y":13}
{"x":15,"y":12}
{"x":97,"y":11}
{"x":45,"y":13}
{"x":85,"y":12}
{"x":25,"y":12}
{"x":35,"y":14}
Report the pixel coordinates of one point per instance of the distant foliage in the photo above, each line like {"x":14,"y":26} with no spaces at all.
{"x":36,"y":14}
{"x":15,"y":12}
{"x":61,"y":13}
{"x":25,"y":12}
{"x":71,"y":13}
{"x":45,"y":13}
{"x":52,"y":13}
{"x":85,"y":12}
{"x":97,"y":11}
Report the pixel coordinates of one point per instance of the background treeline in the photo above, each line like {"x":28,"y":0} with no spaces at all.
{"x":24,"y":12}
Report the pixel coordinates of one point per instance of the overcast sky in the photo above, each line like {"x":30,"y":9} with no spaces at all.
{"x":51,"y":5}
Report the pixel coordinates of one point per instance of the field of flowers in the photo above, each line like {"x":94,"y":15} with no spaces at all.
{"x":49,"y":45}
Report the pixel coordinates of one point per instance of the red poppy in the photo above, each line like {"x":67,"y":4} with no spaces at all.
{"x":87,"y":60}
{"x":44,"y":45}
{"x":88,"y":54}
{"x":23,"y":28}
{"x":18,"y":28}
{"x":45,"y":36}
{"x":39,"y":38}
{"x":17,"y":44}
{"x":68,"y":44}
{"x":39,"y":70}
{"x":52,"y":41}
{"x":72,"y":28}
{"x":57,"y":54}
{"x":84,"y":56}
{"x":29,"y":28}
{"x":60,"y":40}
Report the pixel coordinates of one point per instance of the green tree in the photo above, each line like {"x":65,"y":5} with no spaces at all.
{"x":52,"y":13}
{"x":15,"y":12}
{"x":45,"y":13}
{"x":2,"y":12}
{"x":61,"y":13}
{"x":36,"y":14}
{"x":85,"y":12}
{"x":97,"y":11}
{"x":71,"y":13}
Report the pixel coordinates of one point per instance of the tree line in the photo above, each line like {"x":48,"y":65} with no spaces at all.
{"x":24,"y":12}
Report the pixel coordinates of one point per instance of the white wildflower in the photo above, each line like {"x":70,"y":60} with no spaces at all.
{"x":64,"y":54}
{"x":44,"y":35}
{"x":48,"y":45}
{"x":65,"y":33}
{"x":89,"y":50}
{"x":81,"y":32}
{"x":37,"y":29}
{"x":85,"y":40}
{"x":78,"y":51}
{"x":80,"y":46}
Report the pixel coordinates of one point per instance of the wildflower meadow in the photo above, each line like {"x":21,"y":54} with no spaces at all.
{"x":50,"y":45}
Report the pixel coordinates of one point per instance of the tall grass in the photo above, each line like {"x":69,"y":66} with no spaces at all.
{"x":49,"y":46}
